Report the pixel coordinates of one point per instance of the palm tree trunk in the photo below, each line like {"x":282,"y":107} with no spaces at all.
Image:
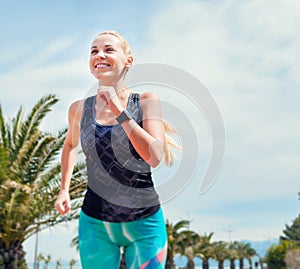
{"x":250,"y":263}
{"x":170,"y":263}
{"x":12,"y":258}
{"x":232,"y":264}
{"x":221,"y":265}
{"x":205,"y":264}
{"x":241,"y":263}
{"x":190,"y":264}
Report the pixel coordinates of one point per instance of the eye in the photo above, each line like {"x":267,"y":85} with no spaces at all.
{"x":110,"y":49}
{"x":93,"y":52}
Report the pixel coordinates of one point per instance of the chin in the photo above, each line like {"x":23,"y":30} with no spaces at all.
{"x":100,"y":76}
{"x":104,"y":79}
{"x":107,"y":76}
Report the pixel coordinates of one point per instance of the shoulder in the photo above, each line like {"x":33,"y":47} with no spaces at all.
{"x":150,"y":103}
{"x":75,"y":109}
{"x":149,"y":95}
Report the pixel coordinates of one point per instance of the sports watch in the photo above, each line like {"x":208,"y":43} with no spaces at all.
{"x":124,"y":116}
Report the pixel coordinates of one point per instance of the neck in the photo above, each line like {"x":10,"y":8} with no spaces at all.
{"x":119,"y":87}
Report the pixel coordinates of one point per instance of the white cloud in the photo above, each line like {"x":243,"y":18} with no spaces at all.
{"x":242,"y":54}
{"x":227,"y":43}
{"x":43,"y":55}
{"x":25,"y":86}
{"x":246,"y":53}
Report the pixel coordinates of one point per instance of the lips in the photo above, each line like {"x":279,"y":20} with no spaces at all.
{"x":101,"y":65}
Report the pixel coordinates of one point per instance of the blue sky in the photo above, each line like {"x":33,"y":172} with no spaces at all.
{"x":245,"y":52}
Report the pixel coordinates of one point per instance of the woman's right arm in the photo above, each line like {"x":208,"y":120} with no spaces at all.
{"x":68,"y":157}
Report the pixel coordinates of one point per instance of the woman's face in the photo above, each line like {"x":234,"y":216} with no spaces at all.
{"x":108,"y":60}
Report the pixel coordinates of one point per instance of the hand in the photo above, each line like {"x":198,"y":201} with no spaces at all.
{"x":63,"y":203}
{"x":108,"y":95}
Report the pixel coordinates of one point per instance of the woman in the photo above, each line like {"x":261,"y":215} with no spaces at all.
{"x":123,"y":136}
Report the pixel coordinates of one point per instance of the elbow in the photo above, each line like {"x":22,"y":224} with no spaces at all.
{"x":154,"y":163}
{"x":156,"y":154}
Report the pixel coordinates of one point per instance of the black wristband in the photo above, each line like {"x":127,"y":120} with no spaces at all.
{"x":124,"y":116}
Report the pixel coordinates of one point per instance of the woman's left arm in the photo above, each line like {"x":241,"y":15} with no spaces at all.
{"x":148,"y":141}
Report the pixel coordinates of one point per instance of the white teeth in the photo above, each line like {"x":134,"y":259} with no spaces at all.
{"x":101,"y":65}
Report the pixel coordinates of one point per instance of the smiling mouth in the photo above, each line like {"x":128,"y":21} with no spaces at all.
{"x":102,"y":65}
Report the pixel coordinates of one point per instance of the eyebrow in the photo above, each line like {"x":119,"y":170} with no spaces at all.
{"x":107,"y":45}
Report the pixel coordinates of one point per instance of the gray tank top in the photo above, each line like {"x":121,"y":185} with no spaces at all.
{"x":120,"y":186}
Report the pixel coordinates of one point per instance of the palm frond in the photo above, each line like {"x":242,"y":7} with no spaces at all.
{"x":30,"y":126}
{"x":181,"y":224}
{"x":30,"y":177}
{"x":4,"y":164}
{"x":3,"y":130}
{"x":16,"y":128}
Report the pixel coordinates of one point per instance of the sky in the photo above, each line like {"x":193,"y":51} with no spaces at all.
{"x":245,"y":54}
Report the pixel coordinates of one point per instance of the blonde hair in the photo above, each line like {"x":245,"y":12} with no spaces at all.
{"x":169,"y":143}
{"x":124,"y":42}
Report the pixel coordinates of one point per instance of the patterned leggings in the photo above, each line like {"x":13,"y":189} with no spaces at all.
{"x":144,"y":241}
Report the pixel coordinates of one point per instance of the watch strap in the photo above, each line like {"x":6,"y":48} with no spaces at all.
{"x":124,"y":116}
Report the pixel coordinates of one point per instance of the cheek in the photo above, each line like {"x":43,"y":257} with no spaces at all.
{"x":91,"y":62}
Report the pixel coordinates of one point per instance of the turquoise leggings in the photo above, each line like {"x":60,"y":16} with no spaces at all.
{"x":144,"y":242}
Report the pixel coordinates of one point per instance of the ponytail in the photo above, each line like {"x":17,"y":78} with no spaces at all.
{"x":170,"y":144}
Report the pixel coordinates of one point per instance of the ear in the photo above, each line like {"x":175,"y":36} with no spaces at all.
{"x":129,"y":61}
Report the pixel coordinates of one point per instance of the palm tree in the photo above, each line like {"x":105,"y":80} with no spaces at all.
{"x":244,"y":251}
{"x":187,"y":245}
{"x":75,"y":242}
{"x":221,"y":253}
{"x":250,"y":254}
{"x":30,"y":181}
{"x":205,"y":249}
{"x":47,"y":260}
{"x":40,"y":258}
{"x":232,"y":254}
{"x":174,"y":233}
{"x":58,"y":264}
{"x":71,"y":263}
{"x":261,"y":262}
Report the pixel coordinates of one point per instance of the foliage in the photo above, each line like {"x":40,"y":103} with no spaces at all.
{"x":188,"y":242}
{"x":30,"y":180}
{"x":175,"y":233}
{"x":244,"y":251}
{"x":292,"y":233}
{"x":276,"y":254}
{"x":221,"y":253}
{"x":205,"y":249}
{"x":191,"y":244}
{"x":285,"y":254}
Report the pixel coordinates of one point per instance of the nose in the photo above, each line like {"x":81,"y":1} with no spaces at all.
{"x":100,"y":54}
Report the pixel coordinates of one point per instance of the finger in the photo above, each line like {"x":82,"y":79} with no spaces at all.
{"x":59,"y":208}
{"x":103,"y":98}
{"x":107,"y":88}
{"x":67,"y":206}
{"x":62,"y":207}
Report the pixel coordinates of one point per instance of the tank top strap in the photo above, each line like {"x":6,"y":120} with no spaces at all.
{"x":87,"y":118}
{"x":134,"y":106}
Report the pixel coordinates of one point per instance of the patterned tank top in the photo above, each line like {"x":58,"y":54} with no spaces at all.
{"x":120,"y":186}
